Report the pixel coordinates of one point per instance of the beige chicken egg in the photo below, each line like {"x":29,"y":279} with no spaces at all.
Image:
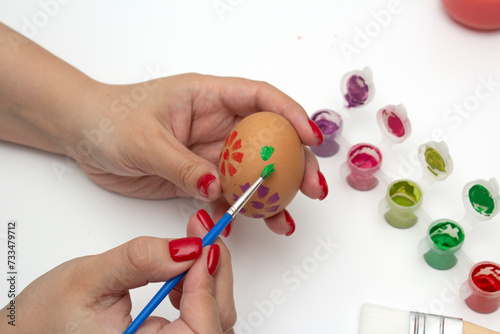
{"x":255,"y":142}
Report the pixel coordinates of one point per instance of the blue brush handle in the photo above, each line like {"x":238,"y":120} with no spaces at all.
{"x":171,"y":283}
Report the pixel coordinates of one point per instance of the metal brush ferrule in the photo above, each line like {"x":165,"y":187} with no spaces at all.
{"x":240,"y":202}
{"x":422,"y":323}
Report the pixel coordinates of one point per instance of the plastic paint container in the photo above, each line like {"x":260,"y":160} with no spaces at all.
{"x":444,"y":238}
{"x":481,"y":291}
{"x":330,"y":124}
{"x":481,"y":198}
{"x":436,"y":162}
{"x":363,"y":160}
{"x":394,"y":124}
{"x":403,"y":198}
{"x":357,"y":88}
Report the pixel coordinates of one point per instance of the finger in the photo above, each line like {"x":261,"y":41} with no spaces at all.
{"x":244,"y":97}
{"x":147,"y":187}
{"x":175,"y":295}
{"x":198,"y":225}
{"x":140,"y":261}
{"x":199,"y":310}
{"x":173,"y":161}
{"x":281,"y":223}
{"x":219,"y":208}
{"x":314,"y":184}
{"x":152,"y":324}
{"x":224,"y":274}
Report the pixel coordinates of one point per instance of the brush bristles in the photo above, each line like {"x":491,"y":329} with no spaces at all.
{"x":377,"y":319}
{"x":267,"y":171}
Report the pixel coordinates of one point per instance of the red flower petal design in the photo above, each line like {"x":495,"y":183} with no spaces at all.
{"x":228,"y":153}
{"x":223,"y":168}
{"x":231,"y":169}
{"x":236,"y":145}
{"x":237,"y":156}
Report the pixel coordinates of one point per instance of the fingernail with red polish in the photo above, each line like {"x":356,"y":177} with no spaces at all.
{"x":213,"y":259}
{"x":203,"y":184}
{"x":185,"y":249}
{"x":290,"y":222}
{"x":317,"y":132}
{"x":323,"y":185}
{"x":205,"y":219}
{"x":227,"y":230}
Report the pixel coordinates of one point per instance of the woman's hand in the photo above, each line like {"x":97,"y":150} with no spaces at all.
{"x":163,"y":138}
{"x":91,"y":294}
{"x":155,"y":139}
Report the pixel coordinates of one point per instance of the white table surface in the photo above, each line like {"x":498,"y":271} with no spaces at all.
{"x":418,"y":56}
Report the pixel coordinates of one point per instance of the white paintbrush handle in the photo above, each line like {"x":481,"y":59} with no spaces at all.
{"x":470,"y":328}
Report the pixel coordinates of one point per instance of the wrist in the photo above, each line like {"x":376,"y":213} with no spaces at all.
{"x":74,"y":118}
{"x":41,"y":97}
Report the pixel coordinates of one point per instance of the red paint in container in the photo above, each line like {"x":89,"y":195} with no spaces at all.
{"x":395,"y":125}
{"x":482,"y":289}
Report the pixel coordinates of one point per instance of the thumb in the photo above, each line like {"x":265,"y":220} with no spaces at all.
{"x":194,"y":175}
{"x":143,"y":260}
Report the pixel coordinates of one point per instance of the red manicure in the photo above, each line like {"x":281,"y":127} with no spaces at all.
{"x":290,"y":222}
{"x":213,"y":259}
{"x":203,"y":184}
{"x":317,"y":132}
{"x":323,"y":185}
{"x":205,"y":219}
{"x":227,"y":230}
{"x":185,"y":249}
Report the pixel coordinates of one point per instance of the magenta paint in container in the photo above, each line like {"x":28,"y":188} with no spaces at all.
{"x":330,"y":123}
{"x":481,"y":291}
{"x":357,"y":88}
{"x":363,"y":161}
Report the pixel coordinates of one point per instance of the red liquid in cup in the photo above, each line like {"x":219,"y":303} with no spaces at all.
{"x":484,"y":281}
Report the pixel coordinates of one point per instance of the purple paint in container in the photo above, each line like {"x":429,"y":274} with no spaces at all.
{"x":357,"y":88}
{"x":330,"y":124}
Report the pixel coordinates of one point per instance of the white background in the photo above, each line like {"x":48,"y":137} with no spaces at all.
{"x":418,"y":56}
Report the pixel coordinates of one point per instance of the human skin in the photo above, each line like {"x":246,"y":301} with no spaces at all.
{"x":157,"y":139}
{"x":90,"y":294}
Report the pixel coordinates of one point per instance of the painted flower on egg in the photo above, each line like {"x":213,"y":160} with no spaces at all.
{"x":230,"y":154}
{"x":265,"y":203}
{"x":257,"y":141}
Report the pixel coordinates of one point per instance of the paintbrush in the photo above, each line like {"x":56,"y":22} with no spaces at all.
{"x":377,"y":319}
{"x":207,"y":240}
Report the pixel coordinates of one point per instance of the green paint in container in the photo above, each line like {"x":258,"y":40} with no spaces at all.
{"x":444,"y":238}
{"x":481,"y":200}
{"x":404,"y":197}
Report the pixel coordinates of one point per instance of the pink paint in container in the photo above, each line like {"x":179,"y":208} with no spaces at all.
{"x":363,"y":161}
{"x":481,"y":291}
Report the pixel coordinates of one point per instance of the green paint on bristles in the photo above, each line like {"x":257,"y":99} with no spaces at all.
{"x":267,"y":171}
